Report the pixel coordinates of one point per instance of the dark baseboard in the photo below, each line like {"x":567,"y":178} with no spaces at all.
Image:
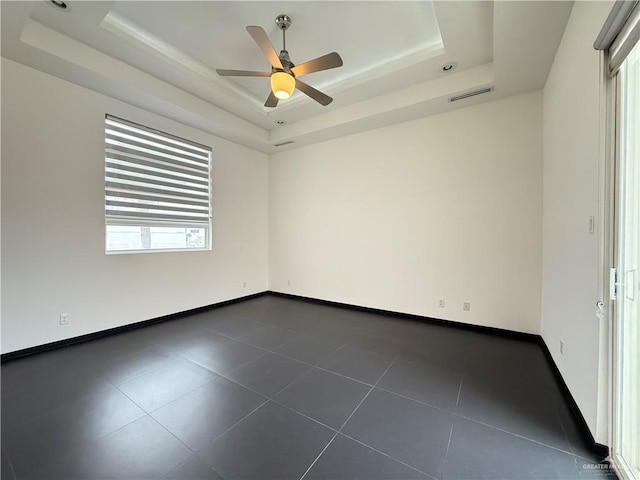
{"x":531,"y":337}
{"x":5,"y":357}
{"x":599,"y":450}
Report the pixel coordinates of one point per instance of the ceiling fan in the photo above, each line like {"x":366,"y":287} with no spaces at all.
{"x":284,"y":74}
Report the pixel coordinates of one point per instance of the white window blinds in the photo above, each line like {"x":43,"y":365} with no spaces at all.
{"x":155,"y":179}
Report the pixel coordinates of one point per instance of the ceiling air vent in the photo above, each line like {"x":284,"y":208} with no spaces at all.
{"x":283,"y":143}
{"x":470,"y":94}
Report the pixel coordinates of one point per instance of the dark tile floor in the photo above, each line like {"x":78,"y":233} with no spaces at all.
{"x":273,"y":388}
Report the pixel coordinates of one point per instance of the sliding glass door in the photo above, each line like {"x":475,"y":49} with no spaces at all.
{"x":626,"y":447}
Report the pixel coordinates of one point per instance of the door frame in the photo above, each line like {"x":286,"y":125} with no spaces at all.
{"x":611,"y":255}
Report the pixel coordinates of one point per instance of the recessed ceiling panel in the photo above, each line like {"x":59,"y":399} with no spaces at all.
{"x":161,"y":56}
{"x":367,"y":35}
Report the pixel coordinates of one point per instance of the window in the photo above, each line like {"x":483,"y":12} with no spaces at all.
{"x":157,"y":190}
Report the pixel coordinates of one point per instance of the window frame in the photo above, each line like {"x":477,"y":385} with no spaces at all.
{"x":137,"y":219}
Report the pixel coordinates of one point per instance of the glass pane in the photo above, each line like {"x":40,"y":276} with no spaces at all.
{"x":135,"y":238}
{"x":627,"y":311}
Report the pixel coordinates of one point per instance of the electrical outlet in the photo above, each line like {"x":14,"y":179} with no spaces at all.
{"x":466,"y":306}
{"x":561,"y":347}
{"x":244,"y":284}
{"x":289,"y":283}
{"x":64,"y":319}
{"x":441,"y":302}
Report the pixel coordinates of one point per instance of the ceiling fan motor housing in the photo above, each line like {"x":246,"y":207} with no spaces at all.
{"x":286,"y":61}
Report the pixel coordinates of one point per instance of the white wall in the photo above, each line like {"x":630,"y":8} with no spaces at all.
{"x":448,"y":206}
{"x":570,"y":253}
{"x":53,"y":256}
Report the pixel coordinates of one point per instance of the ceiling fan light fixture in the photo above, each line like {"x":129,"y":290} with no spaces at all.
{"x":284,"y":74}
{"x":282,"y":85}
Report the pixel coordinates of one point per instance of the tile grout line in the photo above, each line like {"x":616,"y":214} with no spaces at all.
{"x":266,"y":351}
{"x":13,"y":470}
{"x":178,"y":466}
{"x":369,"y":446}
{"x":319,"y":455}
{"x":315,"y":365}
{"x":401,"y":396}
{"x":459,"y":392}
{"x":368,"y":393}
{"x":340,"y":345}
{"x":268,"y":398}
{"x":566,"y":436}
{"x":344,"y":376}
{"x":243,"y":364}
{"x":348,"y":418}
{"x":333,"y":429}
{"x":512,"y":433}
{"x":333,"y":352}
{"x":444,"y":410}
{"x":96,"y":439}
{"x":100,"y":437}
{"x":63,"y":406}
{"x":149,"y":413}
{"x":177,"y":358}
{"x":446,"y":454}
{"x":272,"y":399}
{"x":236,"y":423}
{"x":153,"y":419}
{"x":387,"y":455}
{"x":70,"y":452}
{"x":455,"y":413}
{"x":174,"y":436}
{"x":277,"y":402}
{"x":329,"y":427}
{"x":264,"y":324}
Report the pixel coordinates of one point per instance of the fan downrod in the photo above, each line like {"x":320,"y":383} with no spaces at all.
{"x":284,"y":22}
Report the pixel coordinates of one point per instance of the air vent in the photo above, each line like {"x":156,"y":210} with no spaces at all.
{"x":283,"y":143}
{"x":470,"y":94}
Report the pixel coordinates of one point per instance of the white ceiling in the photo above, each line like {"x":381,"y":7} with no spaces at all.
{"x":162,"y":56}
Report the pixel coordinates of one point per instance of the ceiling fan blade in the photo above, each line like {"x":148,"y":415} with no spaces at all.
{"x":325,"y":62}
{"x":241,"y":73}
{"x":272,"y":100}
{"x":317,"y":95}
{"x":260,"y":37}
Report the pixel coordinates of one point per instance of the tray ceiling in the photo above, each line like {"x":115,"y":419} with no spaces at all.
{"x":162,"y":56}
